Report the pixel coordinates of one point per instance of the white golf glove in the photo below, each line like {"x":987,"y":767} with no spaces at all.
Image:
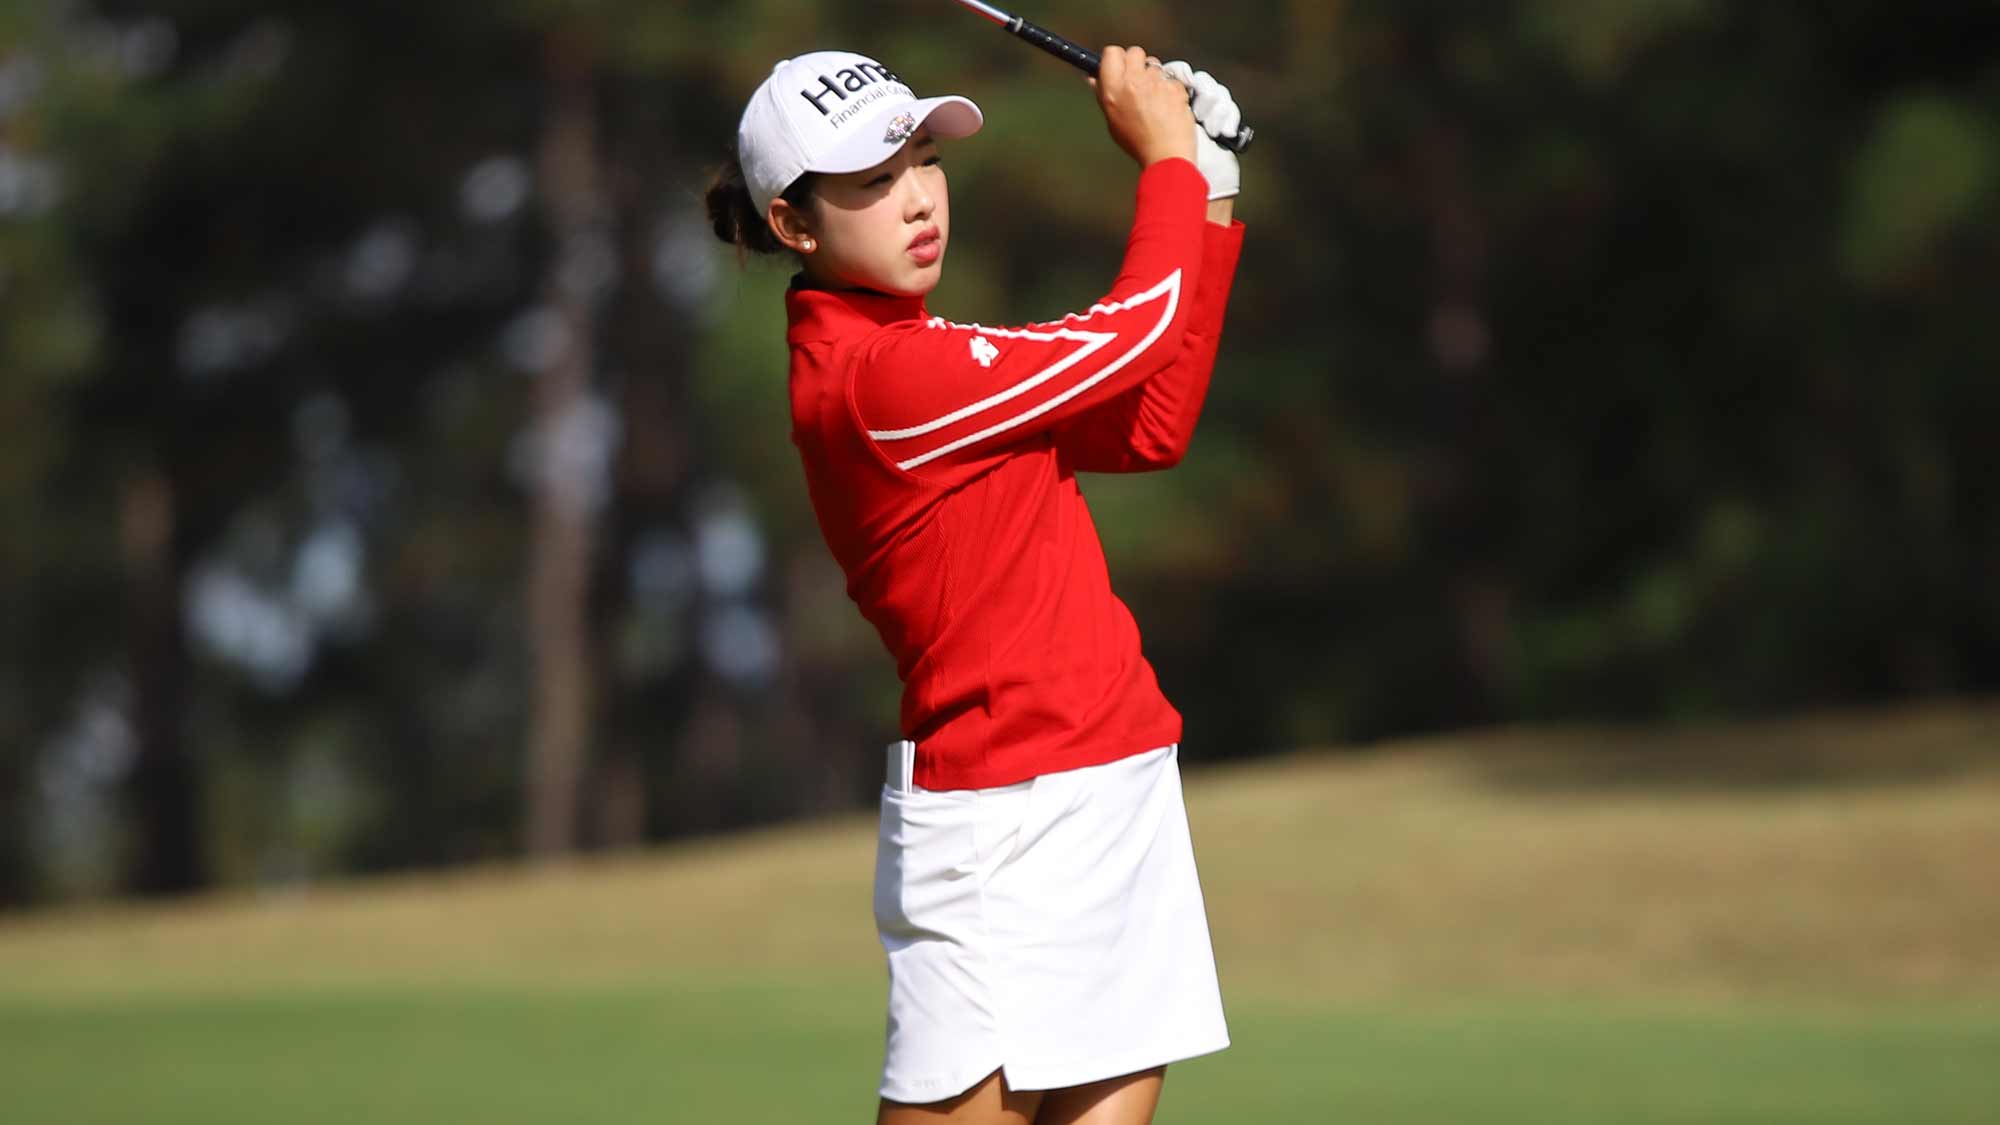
{"x":1215,"y":115}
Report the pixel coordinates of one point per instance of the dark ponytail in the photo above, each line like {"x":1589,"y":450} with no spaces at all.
{"x":734,"y":214}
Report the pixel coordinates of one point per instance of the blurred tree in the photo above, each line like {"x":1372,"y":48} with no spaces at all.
{"x":49,"y":336}
{"x":403,"y":467}
{"x":572,"y":436}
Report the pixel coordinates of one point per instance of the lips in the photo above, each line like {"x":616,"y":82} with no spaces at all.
{"x":927,"y":247}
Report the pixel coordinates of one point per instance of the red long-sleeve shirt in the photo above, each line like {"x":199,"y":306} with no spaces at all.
{"x":942,"y":460}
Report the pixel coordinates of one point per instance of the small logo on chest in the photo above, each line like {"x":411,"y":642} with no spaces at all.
{"x":983,"y":351}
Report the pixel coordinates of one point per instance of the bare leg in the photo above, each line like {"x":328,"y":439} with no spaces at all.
{"x":1129,"y":1099}
{"x":989,"y":1103}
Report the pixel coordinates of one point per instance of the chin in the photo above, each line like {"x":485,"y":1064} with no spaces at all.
{"x":917,"y":284}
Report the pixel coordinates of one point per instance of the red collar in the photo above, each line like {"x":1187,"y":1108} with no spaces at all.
{"x":817,"y":315}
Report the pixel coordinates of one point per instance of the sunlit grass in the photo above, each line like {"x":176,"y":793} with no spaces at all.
{"x":1787,"y":922}
{"x":1851,"y":859}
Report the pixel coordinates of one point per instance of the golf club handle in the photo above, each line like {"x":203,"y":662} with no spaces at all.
{"x":1087,"y":60}
{"x":1075,"y":54}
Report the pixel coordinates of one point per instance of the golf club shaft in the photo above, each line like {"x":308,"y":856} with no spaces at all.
{"x":1076,"y":55}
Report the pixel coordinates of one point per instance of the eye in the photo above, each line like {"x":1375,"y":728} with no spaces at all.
{"x":934,"y":161}
{"x":879,"y":181}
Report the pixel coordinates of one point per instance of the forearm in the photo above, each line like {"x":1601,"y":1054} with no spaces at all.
{"x":1222,"y":212}
{"x":1149,"y":426}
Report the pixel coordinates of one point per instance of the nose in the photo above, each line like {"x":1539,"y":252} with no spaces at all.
{"x":917,"y":201}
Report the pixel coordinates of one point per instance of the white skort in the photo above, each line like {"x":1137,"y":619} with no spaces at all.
{"x":1052,"y":929}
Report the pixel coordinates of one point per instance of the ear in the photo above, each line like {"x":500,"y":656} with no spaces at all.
{"x":791,"y":226}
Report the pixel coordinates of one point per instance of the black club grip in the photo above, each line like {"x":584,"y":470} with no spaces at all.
{"x":1087,"y":60}
{"x":1075,"y":54}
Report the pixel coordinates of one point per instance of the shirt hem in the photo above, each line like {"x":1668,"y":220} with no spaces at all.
{"x":946,"y":776}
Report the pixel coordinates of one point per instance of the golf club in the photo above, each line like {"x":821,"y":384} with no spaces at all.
{"x":1076,"y":55}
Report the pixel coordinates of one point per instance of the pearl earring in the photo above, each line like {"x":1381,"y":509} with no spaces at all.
{"x":810,"y":245}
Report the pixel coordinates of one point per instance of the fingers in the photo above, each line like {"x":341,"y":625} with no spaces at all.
{"x":1228,"y":120}
{"x":1130,"y":59}
{"x":1213,"y":106}
{"x":1110,"y":61}
{"x":1127,"y":59}
{"x":1112,"y":64}
{"x":1112,"y":81}
{"x":1146,"y":110}
{"x":1122,"y":68}
{"x":1208,"y":94}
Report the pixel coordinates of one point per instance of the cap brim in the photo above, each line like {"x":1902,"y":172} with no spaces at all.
{"x":872,"y":143}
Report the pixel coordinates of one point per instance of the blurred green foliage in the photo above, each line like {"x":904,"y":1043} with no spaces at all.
{"x":1586,"y":360}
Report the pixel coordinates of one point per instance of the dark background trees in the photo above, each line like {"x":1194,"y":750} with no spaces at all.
{"x":396,"y":470}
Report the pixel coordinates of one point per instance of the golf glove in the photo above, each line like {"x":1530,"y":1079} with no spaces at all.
{"x":1215,"y":115}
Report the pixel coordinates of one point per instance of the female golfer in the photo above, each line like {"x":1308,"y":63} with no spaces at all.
{"x":1035,"y":884}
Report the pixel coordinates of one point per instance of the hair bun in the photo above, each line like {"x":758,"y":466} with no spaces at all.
{"x":734,"y":216}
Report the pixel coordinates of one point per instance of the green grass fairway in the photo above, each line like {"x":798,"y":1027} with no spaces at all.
{"x":806,"y":1053}
{"x":1784,"y":923}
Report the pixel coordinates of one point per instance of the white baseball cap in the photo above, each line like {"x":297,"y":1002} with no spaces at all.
{"x":835,"y":112}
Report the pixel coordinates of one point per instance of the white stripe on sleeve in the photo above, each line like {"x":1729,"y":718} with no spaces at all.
{"x":1092,"y":342}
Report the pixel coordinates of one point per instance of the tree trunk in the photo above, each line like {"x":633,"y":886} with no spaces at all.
{"x":1460,"y":338}
{"x":164,"y":787}
{"x":568,"y":482}
{"x":17,"y":743}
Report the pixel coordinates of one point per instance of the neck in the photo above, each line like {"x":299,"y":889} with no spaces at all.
{"x":805,"y":279}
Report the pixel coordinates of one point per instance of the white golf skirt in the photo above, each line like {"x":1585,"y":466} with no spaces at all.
{"x":1053,"y":929}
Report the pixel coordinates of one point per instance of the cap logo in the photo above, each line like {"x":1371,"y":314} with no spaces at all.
{"x":901,"y":129}
{"x":840,"y":94}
